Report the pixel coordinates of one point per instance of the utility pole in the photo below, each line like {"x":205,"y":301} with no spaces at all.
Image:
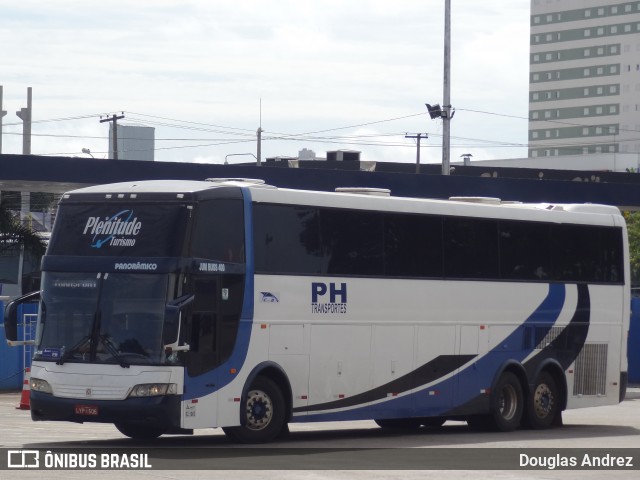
{"x":259,"y":152}
{"x":259,"y":138}
{"x":2,"y":114}
{"x":446,"y":107}
{"x":114,"y":131}
{"x":25,"y":114}
{"x":417,"y":136}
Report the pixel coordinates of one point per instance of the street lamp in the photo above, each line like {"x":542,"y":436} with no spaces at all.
{"x":88,"y":152}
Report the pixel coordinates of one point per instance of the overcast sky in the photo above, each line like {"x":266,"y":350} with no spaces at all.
{"x":356,"y":72}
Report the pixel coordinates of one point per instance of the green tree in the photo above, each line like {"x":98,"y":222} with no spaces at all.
{"x":633,"y":227}
{"x":14,"y":234}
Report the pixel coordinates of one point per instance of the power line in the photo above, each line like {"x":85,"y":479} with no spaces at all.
{"x":63,"y":119}
{"x":349,"y":126}
{"x":158,"y":148}
{"x":311,"y":137}
{"x":192,"y":123}
{"x":546,"y":120}
{"x":307,"y":137}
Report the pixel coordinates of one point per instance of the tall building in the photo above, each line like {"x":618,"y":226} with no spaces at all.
{"x":584,"y":78}
{"x":134,"y":143}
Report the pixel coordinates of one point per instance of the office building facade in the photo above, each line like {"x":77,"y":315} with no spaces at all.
{"x":584,"y":78}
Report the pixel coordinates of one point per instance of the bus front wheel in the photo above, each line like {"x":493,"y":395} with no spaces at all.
{"x":263,"y":414}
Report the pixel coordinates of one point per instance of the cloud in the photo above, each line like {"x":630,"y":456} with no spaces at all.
{"x":315,"y":65}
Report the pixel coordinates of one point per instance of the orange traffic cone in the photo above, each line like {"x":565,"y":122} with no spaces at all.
{"x":26,"y":389}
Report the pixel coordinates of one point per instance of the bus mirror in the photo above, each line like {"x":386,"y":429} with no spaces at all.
{"x":173,"y":324}
{"x":11,"y":317}
{"x":182,"y":301}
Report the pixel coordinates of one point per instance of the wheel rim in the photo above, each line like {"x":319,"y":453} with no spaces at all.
{"x":508,"y":402}
{"x":543,"y":400}
{"x":259,"y":410}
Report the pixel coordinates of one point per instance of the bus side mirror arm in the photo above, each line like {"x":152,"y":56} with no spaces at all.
{"x":19,"y":343}
{"x":11,"y":319}
{"x":175,"y":346}
{"x":173,"y":317}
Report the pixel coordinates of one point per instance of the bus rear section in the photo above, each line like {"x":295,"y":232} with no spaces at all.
{"x":411,"y":312}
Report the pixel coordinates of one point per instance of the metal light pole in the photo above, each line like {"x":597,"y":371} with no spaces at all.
{"x":26,"y":114}
{"x":446,"y":107}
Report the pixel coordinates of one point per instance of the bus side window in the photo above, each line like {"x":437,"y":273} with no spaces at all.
{"x":219,"y":231}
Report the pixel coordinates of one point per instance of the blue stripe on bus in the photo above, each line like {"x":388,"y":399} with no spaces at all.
{"x":438,"y":399}
{"x":221,"y":376}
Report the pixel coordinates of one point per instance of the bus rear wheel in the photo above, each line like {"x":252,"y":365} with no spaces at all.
{"x":506,"y":408}
{"x":507,"y":404}
{"x":140,"y":431}
{"x":263,"y":414}
{"x":543,"y":403}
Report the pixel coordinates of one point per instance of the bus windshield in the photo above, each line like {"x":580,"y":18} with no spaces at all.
{"x":108,"y":318}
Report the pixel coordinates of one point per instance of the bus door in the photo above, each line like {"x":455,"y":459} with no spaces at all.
{"x":212,"y":327}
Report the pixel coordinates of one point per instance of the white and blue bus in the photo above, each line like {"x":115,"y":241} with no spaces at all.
{"x":168,"y":306}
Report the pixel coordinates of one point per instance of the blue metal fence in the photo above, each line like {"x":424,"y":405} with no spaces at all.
{"x":633,"y":346}
{"x":14,"y":360}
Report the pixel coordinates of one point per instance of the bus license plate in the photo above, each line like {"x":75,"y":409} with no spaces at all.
{"x":86,"y":410}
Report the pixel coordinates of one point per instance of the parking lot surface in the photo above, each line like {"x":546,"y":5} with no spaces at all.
{"x":325,"y":450}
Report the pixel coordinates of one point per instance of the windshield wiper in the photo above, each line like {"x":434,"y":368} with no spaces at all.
{"x":106,"y":341}
{"x":69,"y":353}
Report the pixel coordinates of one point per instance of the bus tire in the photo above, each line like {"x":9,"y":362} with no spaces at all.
{"x":264,"y":414}
{"x":507,"y":404}
{"x":399,"y":423}
{"x":139,"y":431}
{"x":543,"y":403}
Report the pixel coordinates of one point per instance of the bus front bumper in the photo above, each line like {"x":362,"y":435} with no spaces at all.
{"x":161,"y":410}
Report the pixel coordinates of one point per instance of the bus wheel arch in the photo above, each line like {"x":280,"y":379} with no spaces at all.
{"x":265,"y":407}
{"x":506,"y":402}
{"x":276,"y":374}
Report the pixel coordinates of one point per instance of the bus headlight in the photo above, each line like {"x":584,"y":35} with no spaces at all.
{"x":40,"y":385}
{"x":154,"y":389}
